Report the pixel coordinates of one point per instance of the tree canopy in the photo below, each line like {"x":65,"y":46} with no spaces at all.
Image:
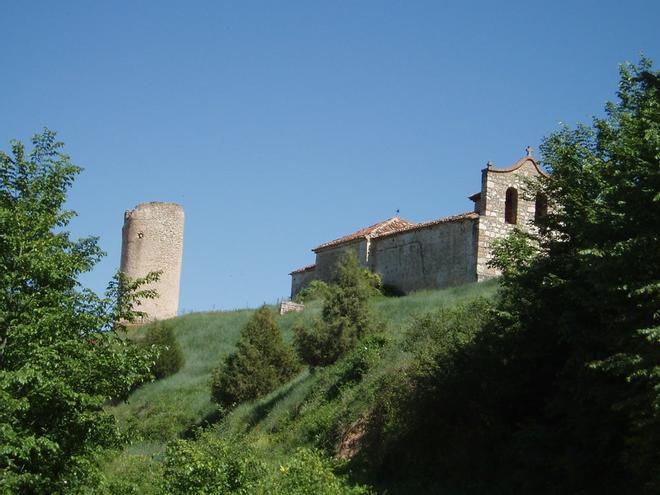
{"x":61,"y":359}
{"x":588,"y":300}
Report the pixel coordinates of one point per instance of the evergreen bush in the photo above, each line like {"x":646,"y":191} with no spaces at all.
{"x":170,"y":356}
{"x":261,"y":363}
{"x":345,"y":318}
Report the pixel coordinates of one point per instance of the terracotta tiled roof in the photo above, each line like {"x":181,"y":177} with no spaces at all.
{"x":470,"y":215}
{"x":303,"y":269}
{"x":392,"y":225}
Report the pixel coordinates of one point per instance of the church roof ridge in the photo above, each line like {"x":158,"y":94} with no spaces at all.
{"x":304,"y":269}
{"x":468,"y":215}
{"x":390,"y":225}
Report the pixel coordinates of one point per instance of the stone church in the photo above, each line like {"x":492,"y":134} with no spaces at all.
{"x":440,"y":253}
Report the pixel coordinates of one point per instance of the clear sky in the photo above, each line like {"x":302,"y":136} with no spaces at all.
{"x":282,"y":125}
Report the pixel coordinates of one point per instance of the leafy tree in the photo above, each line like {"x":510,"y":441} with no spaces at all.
{"x":588,"y":303}
{"x":261,"y":363}
{"x":558,"y":389}
{"x":170,"y":356}
{"x":61,"y":359}
{"x":345,"y":318}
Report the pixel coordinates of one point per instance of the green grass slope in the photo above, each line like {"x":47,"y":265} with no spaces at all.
{"x":314,"y":409}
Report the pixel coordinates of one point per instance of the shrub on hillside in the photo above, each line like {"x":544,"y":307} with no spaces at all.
{"x":170,"y":356}
{"x":308,"y":472}
{"x":345,"y":318}
{"x":317,"y":289}
{"x":431,"y":401}
{"x":261,"y":363}
{"x":374,"y":282}
{"x":210,"y":465}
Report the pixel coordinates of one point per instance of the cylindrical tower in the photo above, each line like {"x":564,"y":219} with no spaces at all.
{"x":152,"y":240}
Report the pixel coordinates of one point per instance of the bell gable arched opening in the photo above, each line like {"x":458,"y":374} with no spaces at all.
{"x":540,"y":206}
{"x":511,"y":206}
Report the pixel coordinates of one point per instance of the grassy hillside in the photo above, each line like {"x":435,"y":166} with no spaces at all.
{"x":320,"y":409}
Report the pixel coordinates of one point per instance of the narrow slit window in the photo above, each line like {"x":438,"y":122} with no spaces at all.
{"x":511,"y":206}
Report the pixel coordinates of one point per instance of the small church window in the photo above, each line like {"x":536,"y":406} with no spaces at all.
{"x":540,"y":206}
{"x":511,"y":206}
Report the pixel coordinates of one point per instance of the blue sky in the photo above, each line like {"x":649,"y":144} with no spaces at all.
{"x":281,"y":125}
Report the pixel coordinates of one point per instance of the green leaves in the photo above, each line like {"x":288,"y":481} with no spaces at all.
{"x":345,"y":318}
{"x":600,"y":241}
{"x":60,"y":359}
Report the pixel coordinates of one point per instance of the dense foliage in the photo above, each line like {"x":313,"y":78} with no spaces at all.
{"x":592,"y":295}
{"x":261,"y":363}
{"x":316,"y":289}
{"x":308,"y":472}
{"x":422,"y":426}
{"x":559,"y":391}
{"x":345,"y":318}
{"x":161,"y":339}
{"x":60,"y":359}
{"x":212,"y":466}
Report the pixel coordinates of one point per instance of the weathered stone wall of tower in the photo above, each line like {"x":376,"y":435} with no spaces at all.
{"x":152,"y":240}
{"x":492,"y":223}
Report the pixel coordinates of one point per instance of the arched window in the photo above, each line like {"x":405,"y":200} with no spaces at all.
{"x":540,"y":206}
{"x":511,"y":206}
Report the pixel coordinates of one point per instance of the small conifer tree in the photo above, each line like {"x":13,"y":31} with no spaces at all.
{"x":345,"y":318}
{"x":261,"y":363}
{"x":170,"y":356}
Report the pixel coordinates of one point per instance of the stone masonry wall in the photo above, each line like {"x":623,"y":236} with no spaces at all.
{"x":300,"y":280}
{"x":326,"y":259}
{"x":492,"y":223}
{"x":152,"y":240}
{"x":433,"y":257}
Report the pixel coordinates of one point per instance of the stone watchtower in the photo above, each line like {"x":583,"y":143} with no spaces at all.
{"x":152,"y":240}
